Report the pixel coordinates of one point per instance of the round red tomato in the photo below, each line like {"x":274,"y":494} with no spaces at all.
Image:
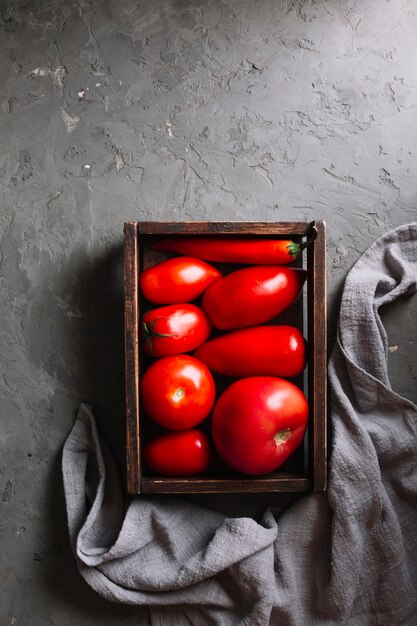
{"x":180,"y":279}
{"x":185,"y":453}
{"x":174,"y":329}
{"x":252,"y":295}
{"x":178,"y":391}
{"x":258,"y":422}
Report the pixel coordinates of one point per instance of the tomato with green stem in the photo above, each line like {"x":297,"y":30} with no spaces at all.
{"x":247,"y":250}
{"x":174,"y":329}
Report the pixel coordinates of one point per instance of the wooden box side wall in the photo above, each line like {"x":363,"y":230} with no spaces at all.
{"x":317,"y":357}
{"x":131,"y":312}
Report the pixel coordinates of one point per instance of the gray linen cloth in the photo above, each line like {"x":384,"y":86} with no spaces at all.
{"x":348,"y":556}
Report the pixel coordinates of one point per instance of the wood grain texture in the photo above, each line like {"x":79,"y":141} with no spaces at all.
{"x":223,"y":228}
{"x":283,"y":484}
{"x":317,"y":370}
{"x":131,"y":314}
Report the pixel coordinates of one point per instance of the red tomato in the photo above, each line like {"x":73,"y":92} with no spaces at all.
{"x":258,"y":422}
{"x":177,"y":280}
{"x":252,"y":295}
{"x":185,"y":453}
{"x":256,"y":351}
{"x":248,"y":250}
{"x":178,"y":391}
{"x":174,"y":329}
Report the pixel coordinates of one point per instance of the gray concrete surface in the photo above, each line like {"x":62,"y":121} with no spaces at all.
{"x":257,"y":109}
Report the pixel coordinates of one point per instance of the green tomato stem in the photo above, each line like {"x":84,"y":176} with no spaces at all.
{"x":150,"y":332}
{"x":294,"y":249}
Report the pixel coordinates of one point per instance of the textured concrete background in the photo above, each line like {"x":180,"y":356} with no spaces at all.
{"x":231,"y":109}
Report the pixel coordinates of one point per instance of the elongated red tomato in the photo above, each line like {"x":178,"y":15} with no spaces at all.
{"x":258,"y":423}
{"x":177,"y":391}
{"x":174,"y":329}
{"x":256,"y":351}
{"x":252,"y":295}
{"x":177,"y":280}
{"x":234,"y":249}
{"x":185,"y":453}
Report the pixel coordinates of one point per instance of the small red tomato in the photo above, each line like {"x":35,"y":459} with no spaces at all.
{"x":174,"y":329}
{"x":178,"y":391}
{"x":258,"y":423}
{"x":180,"y":279}
{"x":186,"y":453}
{"x":252,"y":295}
{"x":256,"y":351}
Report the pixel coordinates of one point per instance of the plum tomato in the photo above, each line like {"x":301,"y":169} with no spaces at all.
{"x":256,"y":351}
{"x":252,"y":295}
{"x":174,"y":329}
{"x":247,"y":250}
{"x":185,"y":453}
{"x":180,"y":279}
{"x":177,"y":392}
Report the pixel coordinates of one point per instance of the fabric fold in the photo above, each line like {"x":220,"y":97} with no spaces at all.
{"x":345,"y":557}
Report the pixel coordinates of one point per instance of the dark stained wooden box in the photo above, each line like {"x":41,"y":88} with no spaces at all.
{"x":305,"y":470}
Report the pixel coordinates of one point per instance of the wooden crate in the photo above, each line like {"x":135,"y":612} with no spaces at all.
{"x":305,"y":470}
